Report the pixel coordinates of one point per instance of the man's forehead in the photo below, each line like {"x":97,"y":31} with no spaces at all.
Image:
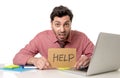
{"x":62,"y":19}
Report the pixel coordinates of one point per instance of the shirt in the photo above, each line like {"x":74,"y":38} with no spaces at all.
{"x":47,"y":39}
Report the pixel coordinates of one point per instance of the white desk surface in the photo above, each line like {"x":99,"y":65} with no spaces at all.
{"x":53,"y":74}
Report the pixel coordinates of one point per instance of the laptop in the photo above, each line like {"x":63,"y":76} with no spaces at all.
{"x":106,"y":56}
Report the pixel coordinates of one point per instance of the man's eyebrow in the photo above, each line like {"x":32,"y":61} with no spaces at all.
{"x":68,"y":21}
{"x":57,"y":21}
{"x":60,"y":22}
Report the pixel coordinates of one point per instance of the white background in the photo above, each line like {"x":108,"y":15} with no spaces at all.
{"x":21,"y":20}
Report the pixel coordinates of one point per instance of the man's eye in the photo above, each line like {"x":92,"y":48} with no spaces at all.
{"x":57,"y":25}
{"x":67,"y":24}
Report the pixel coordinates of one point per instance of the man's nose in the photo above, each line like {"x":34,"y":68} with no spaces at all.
{"x":62,"y":28}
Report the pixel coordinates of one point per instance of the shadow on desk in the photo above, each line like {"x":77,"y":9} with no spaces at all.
{"x":53,"y":74}
{"x":61,"y":74}
{"x":112,"y":74}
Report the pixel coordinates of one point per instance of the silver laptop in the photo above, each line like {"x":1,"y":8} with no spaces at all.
{"x":106,"y":55}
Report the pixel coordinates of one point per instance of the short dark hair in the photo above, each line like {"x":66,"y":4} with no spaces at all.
{"x":61,"y":11}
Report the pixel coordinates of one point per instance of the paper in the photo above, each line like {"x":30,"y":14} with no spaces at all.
{"x":62,"y":57}
{"x":11,"y":66}
{"x":66,"y":68}
{"x":19,"y":69}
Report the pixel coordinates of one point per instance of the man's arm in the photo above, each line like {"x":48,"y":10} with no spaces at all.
{"x":30,"y":50}
{"x":84,"y":60}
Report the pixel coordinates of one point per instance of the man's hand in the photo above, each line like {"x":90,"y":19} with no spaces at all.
{"x":41,"y":63}
{"x":82,"y":62}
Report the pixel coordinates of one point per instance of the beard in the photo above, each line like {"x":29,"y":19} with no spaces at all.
{"x":61,"y":36}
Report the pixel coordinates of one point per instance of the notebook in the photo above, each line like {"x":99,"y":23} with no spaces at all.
{"x":106,"y":56}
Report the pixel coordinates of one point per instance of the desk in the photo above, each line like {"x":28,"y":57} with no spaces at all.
{"x":53,"y":74}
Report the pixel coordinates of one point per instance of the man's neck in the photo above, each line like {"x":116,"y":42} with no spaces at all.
{"x":62,"y":43}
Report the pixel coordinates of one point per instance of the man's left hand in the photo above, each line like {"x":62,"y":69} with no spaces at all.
{"x":82,"y":62}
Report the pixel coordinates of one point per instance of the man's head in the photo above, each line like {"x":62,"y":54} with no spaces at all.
{"x":61,"y":19}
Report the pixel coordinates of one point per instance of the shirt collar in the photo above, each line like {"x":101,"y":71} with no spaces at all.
{"x":69,"y":37}
{"x":53,"y":36}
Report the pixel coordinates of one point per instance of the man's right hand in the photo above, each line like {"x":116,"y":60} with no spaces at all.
{"x":41,"y":63}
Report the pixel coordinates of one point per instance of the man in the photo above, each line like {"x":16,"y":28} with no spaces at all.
{"x":61,"y":36}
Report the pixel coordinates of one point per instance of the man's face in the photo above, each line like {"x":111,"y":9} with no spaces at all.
{"x":61,"y":27}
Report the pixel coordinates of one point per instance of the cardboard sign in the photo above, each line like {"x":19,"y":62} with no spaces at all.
{"x":62,"y":57}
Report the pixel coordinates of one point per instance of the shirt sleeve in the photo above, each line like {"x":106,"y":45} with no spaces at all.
{"x":30,"y":50}
{"x":88,"y":47}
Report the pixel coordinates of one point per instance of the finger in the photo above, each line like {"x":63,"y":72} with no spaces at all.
{"x":40,"y":63}
{"x":41,"y":66}
{"x":79,"y":64}
{"x":82,"y":61}
{"x":86,"y":63}
{"x":76,"y":64}
{"x":45,"y":67}
{"x":47,"y":64}
{"x":46,"y":61}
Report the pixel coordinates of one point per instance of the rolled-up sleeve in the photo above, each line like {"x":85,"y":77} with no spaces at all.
{"x":30,"y":50}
